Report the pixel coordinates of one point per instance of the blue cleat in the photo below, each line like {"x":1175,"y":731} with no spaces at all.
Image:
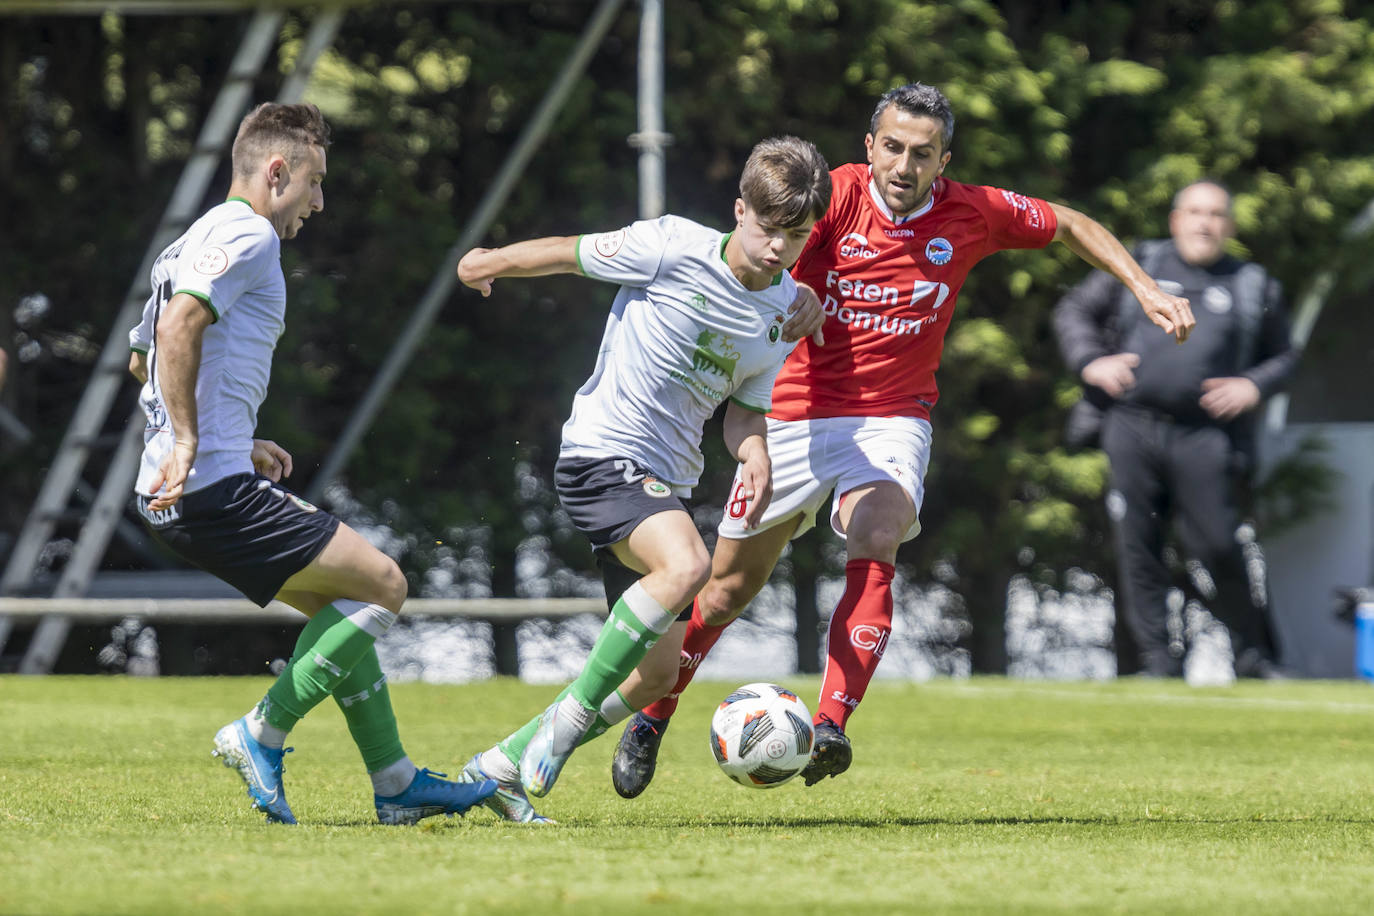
{"x":261,"y":769}
{"x":509,"y":800}
{"x":553,"y":743}
{"x":428,"y":795}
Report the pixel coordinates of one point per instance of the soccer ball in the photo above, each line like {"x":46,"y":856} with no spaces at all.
{"x":761,"y":735}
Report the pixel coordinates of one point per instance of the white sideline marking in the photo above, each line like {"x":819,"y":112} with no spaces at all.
{"x":1180,"y":699}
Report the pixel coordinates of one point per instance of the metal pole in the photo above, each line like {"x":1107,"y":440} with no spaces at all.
{"x":651,"y":140}
{"x":443,"y":282}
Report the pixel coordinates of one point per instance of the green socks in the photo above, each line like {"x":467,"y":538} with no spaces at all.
{"x":365,"y":701}
{"x":332,"y":644}
{"x":635,"y":623}
{"x":613,"y":710}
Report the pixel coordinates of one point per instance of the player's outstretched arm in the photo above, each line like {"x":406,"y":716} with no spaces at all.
{"x":534,"y":258}
{"x":746,"y":436}
{"x":1091,"y":241}
{"x":180,"y":332}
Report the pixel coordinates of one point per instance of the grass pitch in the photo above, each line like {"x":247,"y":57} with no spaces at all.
{"x":986,"y":795}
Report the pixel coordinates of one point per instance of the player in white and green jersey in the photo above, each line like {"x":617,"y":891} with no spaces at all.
{"x":701,"y":317}
{"x":213,"y":494}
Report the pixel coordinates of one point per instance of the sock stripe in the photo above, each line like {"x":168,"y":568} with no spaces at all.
{"x":647,"y":611}
{"x":372,"y":619}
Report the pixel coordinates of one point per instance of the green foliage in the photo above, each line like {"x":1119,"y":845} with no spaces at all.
{"x":998,"y":796}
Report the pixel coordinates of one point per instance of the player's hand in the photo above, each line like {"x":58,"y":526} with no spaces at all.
{"x":1229,"y":397}
{"x":755,"y":487}
{"x":271,"y":460}
{"x":1113,"y":373}
{"x":171,"y":476}
{"x":1172,"y":313}
{"x":469,"y":273}
{"x":806,"y":317}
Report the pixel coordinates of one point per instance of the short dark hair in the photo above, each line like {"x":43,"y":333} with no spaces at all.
{"x":918,"y":99}
{"x":273,"y":127}
{"x":786,"y":181}
{"x":1178,"y":196}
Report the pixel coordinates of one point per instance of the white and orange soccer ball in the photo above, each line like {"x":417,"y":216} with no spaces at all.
{"x":761,"y":735}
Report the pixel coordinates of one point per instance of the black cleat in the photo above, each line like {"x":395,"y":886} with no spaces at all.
{"x":830,"y":755}
{"x":637,"y":754}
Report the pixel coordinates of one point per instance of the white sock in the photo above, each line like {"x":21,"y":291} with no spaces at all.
{"x":263,"y":733}
{"x":573,"y":721}
{"x":394,"y":778}
{"x":614,"y":709}
{"x":498,"y":766}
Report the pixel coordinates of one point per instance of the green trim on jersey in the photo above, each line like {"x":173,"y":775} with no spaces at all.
{"x":735,"y":400}
{"x":242,"y":200}
{"x":137,"y":350}
{"x":777,"y":277}
{"x":577,"y":254}
{"x":203,"y":301}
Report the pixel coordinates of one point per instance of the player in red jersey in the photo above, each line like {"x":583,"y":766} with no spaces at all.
{"x":853,"y":416}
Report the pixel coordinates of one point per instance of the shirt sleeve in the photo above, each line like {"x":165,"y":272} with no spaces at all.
{"x":228,"y":261}
{"x":1018,"y":221}
{"x":756,"y":392}
{"x":141,"y":336}
{"x":632,"y":256}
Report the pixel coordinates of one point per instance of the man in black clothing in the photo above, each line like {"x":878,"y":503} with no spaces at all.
{"x":1179,"y":421}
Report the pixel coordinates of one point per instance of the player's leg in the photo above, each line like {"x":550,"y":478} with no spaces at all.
{"x":739,"y":569}
{"x":668,"y":548}
{"x":877,"y":507}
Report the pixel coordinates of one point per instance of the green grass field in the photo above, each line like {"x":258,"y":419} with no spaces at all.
{"x":986,"y":795}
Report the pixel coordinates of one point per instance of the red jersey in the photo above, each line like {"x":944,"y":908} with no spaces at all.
{"x":888,"y":290}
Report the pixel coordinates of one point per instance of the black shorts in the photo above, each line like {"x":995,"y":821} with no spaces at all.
{"x":607,"y":498}
{"x":244,"y":529}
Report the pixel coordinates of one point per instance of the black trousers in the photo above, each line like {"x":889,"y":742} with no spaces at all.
{"x":1192,"y":476}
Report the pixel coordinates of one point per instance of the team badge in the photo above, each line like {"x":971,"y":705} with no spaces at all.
{"x":939,"y":251}
{"x":657,"y":488}
{"x":302,"y":504}
{"x":608,"y":243}
{"x":775,"y":330}
{"x":211,"y":262}
{"x":1217,"y":299}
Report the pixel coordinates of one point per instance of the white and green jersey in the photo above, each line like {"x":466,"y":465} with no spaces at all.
{"x":683,"y":335}
{"x":229,"y":259}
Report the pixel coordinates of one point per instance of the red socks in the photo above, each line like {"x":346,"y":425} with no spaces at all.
{"x":699,"y":639}
{"x":858,"y":637}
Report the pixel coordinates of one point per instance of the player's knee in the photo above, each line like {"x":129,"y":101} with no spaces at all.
{"x":877,"y":540}
{"x":690,"y":572}
{"x":723,"y":599}
{"x":391,"y":585}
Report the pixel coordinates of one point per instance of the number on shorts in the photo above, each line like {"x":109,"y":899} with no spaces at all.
{"x":739,"y":503}
{"x":627,"y":468}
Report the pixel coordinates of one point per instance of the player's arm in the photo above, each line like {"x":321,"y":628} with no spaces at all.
{"x":534,"y":258}
{"x":180,"y":333}
{"x":1091,"y":241}
{"x":746,"y":436}
{"x":138,"y":365}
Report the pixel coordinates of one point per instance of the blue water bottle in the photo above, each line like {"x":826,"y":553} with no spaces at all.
{"x":1364,"y":640}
